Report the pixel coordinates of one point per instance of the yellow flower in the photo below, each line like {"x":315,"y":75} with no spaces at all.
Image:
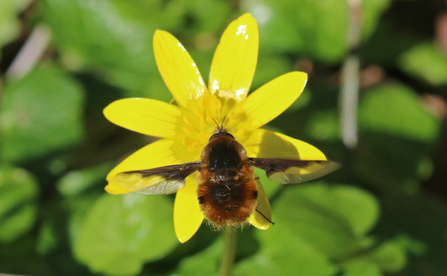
{"x":185,"y":128}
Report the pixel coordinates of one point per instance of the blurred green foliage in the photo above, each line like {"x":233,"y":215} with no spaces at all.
{"x":383,"y":213}
{"x":10,"y":24}
{"x":426,"y":61}
{"x":18,"y":204}
{"x":134,"y":233}
{"x":28,"y":128}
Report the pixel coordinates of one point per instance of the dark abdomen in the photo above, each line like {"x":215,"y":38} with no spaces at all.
{"x":228,"y":204}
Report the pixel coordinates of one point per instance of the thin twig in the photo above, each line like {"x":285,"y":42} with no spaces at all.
{"x":350,"y":77}
{"x":31,"y":52}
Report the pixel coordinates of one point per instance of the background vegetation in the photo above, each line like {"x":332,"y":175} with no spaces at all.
{"x":63,"y":61}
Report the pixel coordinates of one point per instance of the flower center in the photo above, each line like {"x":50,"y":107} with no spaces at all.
{"x":201,"y":117}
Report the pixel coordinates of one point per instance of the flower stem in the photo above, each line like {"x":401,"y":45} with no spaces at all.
{"x":229,"y":252}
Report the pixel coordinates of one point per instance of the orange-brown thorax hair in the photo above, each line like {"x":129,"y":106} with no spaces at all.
{"x":227,"y":190}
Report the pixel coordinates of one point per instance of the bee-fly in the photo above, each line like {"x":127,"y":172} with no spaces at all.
{"x":227,"y":190}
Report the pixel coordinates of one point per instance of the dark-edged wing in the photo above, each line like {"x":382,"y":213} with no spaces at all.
{"x":162,"y":180}
{"x":285,"y":171}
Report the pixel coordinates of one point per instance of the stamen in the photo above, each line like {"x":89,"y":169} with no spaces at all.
{"x":239,"y":133}
{"x":231,"y":119}
{"x":205,"y":100}
{"x":188,"y":120}
{"x":197,"y":112}
{"x":194,"y":147}
{"x":204,"y":137}
{"x":216,"y":106}
{"x":188,"y":141}
{"x":189,"y":131}
{"x":202,"y":123}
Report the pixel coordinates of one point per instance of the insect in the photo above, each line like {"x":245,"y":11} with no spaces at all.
{"x":227,"y":189}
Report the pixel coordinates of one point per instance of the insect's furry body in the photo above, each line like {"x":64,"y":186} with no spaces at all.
{"x":227,"y":191}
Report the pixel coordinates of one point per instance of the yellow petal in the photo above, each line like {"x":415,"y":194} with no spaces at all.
{"x":268,"y":144}
{"x":235,"y":59}
{"x":177,"y":68}
{"x":146,"y":116}
{"x":267,"y":102}
{"x":187,"y":214}
{"x":263,"y":207}
{"x":158,"y":154}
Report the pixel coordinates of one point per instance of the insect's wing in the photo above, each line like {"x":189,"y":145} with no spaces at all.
{"x":261,"y":218}
{"x":286,"y":171}
{"x":162,"y":180}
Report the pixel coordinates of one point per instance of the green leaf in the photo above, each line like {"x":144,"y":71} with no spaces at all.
{"x":307,"y":27}
{"x":40,"y":114}
{"x":323,"y":125}
{"x":208,"y":16}
{"x":47,"y":240}
{"x":76,"y":182}
{"x":426,"y":61}
{"x":114,"y":38}
{"x":411,"y":245}
{"x":283,"y":253}
{"x":396,"y":110}
{"x":396,"y":134}
{"x":390,"y":257}
{"x":79,"y":207}
{"x":334,"y":219}
{"x":268,"y":68}
{"x":18,"y":202}
{"x":203,"y":263}
{"x":425,"y":168}
{"x":9,"y":25}
{"x":316,"y":28}
{"x":419,"y":223}
{"x":20,"y":258}
{"x":303,"y":100}
{"x":270,"y":187}
{"x":314,"y":223}
{"x":361,"y":268}
{"x":121,"y":233}
{"x":372,"y":11}
{"x":358,"y":207}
